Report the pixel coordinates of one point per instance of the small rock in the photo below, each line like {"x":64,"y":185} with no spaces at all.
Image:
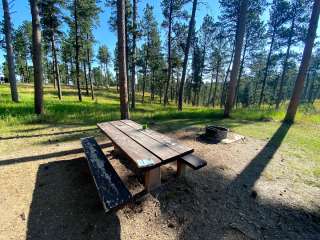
{"x":23,"y":216}
{"x":170,"y":225}
{"x":254,"y":194}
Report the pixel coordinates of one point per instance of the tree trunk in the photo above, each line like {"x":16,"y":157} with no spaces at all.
{"x":165,"y":100}
{"x":56,"y":66}
{"x":316,"y":95}
{"x":122,"y":59}
{"x":89,"y":73}
{"x":186,"y":54}
{"x":216,"y":84}
{"x":126,"y":22}
{"x":143,"y":88}
{"x":145,"y":71}
{"x":152,"y":86}
{"x":285,"y":66}
{"x":306,"y":87}
{"x":176,"y":97}
{"x":67,"y":73}
{"x":241,"y":27}
{"x":223,"y":91}
{"x":133,"y":67}
{"x":101,"y":73}
{"x":85,"y":76}
{"x":77,"y":46}
{"x":27,"y":70}
{"x":266,"y":71}
{"x":9,"y":48}
{"x":255,"y":89}
{"x":107,"y":75}
{"x":298,"y":88}
{"x":172,"y":85}
{"x":72,"y":68}
{"x":117,"y":77}
{"x":210,"y":89}
{"x":310,"y":96}
{"x":236,"y":97}
{"x":53,"y":74}
{"x":36,"y":57}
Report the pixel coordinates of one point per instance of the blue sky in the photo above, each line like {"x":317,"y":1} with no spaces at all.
{"x":20,"y":11}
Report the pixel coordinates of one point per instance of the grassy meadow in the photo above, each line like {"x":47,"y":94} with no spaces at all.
{"x":301,"y":143}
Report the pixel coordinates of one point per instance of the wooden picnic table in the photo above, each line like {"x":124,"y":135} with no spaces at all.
{"x":146,"y":148}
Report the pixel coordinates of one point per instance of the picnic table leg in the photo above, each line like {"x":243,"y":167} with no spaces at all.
{"x":117,"y":151}
{"x":181,"y":168}
{"x":152,"y":179}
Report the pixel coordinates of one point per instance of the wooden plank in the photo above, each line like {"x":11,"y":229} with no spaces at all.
{"x":158,"y":149}
{"x":167,"y":141}
{"x":128,"y":146}
{"x":193,"y":161}
{"x":111,"y":189}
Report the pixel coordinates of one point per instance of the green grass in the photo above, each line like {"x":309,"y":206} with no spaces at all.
{"x":302,"y":142}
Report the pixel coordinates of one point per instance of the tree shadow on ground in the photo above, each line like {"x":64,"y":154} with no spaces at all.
{"x":76,"y":135}
{"x":80,"y":131}
{"x":46,"y":156}
{"x":65,"y":205}
{"x":169,"y":125}
{"x":204,"y":206}
{"x":213,"y":204}
{"x":253,"y":170}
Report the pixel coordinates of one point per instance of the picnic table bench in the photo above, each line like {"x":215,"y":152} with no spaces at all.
{"x":147,"y":149}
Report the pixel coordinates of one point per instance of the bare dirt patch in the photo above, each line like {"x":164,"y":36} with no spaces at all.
{"x":247,"y":191}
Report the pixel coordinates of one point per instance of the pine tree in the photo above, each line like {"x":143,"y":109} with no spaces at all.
{"x":67,"y":55}
{"x":297,"y":16}
{"x":241,"y":26}
{"x":104,"y":59}
{"x":186,"y":53}
{"x":10,"y":54}
{"x":83,"y":16}
{"x":37,"y":57}
{"x":22,"y":45}
{"x":122,"y":59}
{"x":133,"y":65}
{"x":309,"y":42}
{"x":171,"y":10}
{"x":254,"y":38}
{"x":197,"y":65}
{"x":129,"y":29}
{"x":51,"y":21}
{"x":89,"y":56}
{"x":278,"y":17}
{"x":211,"y":41}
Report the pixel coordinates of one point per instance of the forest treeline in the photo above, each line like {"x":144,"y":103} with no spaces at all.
{"x":256,"y":52}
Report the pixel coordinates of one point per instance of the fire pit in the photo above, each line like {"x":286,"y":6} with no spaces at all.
{"x":214,"y":134}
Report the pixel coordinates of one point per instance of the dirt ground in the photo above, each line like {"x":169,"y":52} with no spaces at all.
{"x":247,"y":191}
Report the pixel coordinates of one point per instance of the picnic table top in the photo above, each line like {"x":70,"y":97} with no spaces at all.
{"x":146,"y":147}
